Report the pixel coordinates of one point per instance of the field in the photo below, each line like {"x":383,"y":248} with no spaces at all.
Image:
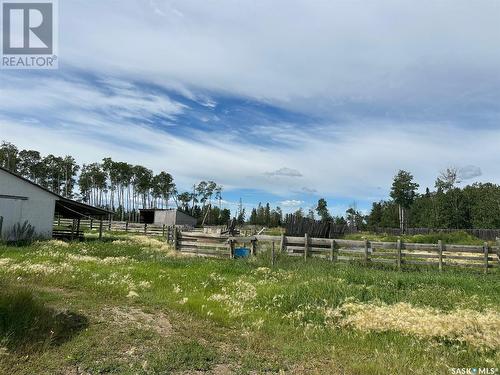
{"x":132,"y":305}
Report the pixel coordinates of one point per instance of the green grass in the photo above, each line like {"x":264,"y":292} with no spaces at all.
{"x":193,"y":314}
{"x":459,"y":238}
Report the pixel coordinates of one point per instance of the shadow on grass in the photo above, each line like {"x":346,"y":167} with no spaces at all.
{"x":28,"y":326}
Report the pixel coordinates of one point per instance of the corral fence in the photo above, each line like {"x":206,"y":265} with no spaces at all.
{"x":398,"y":253}
{"x":67,"y":225}
{"x":198,"y":243}
{"x":295,"y":226}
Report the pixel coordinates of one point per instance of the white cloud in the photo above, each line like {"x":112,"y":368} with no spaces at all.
{"x":53,"y":95}
{"x":315,"y":55}
{"x":285,"y":172}
{"x":469,"y":172}
{"x":291,"y":203}
{"x":363,"y":160}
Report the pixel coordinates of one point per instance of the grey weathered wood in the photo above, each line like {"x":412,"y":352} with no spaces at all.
{"x":306,"y":245}
{"x":231,"y":249}
{"x":440,"y":245}
{"x":100,"y":229}
{"x":174,"y":241}
{"x":239,"y":239}
{"x":283,"y":243}
{"x":486,"y":248}
{"x":253,"y":246}
{"x":272,"y":255}
{"x":367,"y":245}
{"x":398,"y":252}
{"x":332,"y":250}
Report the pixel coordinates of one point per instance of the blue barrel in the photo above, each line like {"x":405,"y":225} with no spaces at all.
{"x":241,"y":252}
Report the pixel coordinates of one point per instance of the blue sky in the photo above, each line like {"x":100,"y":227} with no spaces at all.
{"x":282,"y":101}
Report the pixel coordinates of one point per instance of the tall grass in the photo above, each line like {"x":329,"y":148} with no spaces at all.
{"x":27,"y":325}
{"x":293,"y":313}
{"x":459,"y":238}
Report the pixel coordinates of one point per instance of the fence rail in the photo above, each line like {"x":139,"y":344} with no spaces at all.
{"x":117,"y":226}
{"x":397,"y":253}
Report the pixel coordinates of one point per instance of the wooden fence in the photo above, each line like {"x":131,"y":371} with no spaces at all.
{"x":397,"y":253}
{"x":118,"y":226}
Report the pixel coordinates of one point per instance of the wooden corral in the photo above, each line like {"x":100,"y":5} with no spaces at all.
{"x":397,"y":253}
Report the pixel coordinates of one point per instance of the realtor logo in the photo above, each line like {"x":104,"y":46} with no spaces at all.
{"x":29,"y":34}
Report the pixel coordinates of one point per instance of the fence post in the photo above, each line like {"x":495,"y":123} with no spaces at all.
{"x":283,"y":243}
{"x":440,"y":249}
{"x":398,"y":260}
{"x":332,"y":251}
{"x":91,"y":224}
{"x":497,"y":241}
{"x":72,"y":229}
{"x":100,"y":229}
{"x":306,"y":245}
{"x":163,"y":231}
{"x":126,"y":226}
{"x":253,"y":247}
{"x":485,"y":249}
{"x":272,"y":255}
{"x":145,"y":228}
{"x":231,"y":249}
{"x":366,"y":251}
{"x":1,"y":225}
{"x":174,"y":241}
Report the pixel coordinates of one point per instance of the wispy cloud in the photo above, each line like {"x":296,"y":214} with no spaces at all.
{"x":285,"y":172}
{"x":291,"y":203}
{"x":469,"y":172}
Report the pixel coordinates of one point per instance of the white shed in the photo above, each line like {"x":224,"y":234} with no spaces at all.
{"x":22,"y":200}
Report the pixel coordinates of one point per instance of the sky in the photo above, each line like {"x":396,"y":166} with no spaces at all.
{"x":278,"y":101}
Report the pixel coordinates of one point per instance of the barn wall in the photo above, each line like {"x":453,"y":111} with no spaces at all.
{"x":183,"y":219}
{"x":166,"y":217}
{"x":38,"y":208}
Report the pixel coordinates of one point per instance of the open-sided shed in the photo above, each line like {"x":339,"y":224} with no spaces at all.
{"x":22,"y":200}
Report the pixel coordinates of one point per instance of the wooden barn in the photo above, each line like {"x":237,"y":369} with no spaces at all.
{"x":167,"y":217}
{"x":22,"y":200}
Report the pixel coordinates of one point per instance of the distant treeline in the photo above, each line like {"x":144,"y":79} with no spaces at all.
{"x":448,"y":206}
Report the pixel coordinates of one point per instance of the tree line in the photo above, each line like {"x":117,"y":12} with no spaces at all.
{"x":118,"y":186}
{"x":447,"y":206}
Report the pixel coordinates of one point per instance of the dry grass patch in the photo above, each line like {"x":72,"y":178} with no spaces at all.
{"x":478,"y":329}
{"x":136,"y":318}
